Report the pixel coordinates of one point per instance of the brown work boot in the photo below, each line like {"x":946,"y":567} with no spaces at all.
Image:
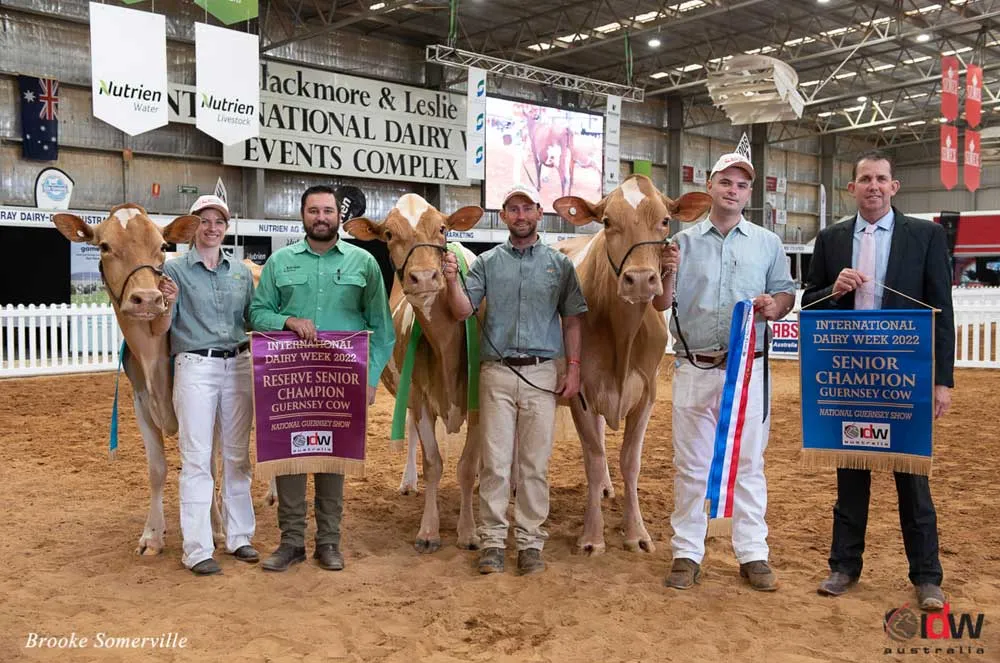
{"x":491,"y":560}
{"x":530,"y":561}
{"x":931,"y":597}
{"x":684,"y":573}
{"x":759,"y":575}
{"x":838,"y":583}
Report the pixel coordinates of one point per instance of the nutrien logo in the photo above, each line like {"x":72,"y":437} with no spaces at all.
{"x":226,"y":105}
{"x":907,"y":625}
{"x":126,"y":91}
{"x":865,"y":435}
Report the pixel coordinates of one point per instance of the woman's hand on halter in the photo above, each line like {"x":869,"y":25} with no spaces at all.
{"x":169,"y":290}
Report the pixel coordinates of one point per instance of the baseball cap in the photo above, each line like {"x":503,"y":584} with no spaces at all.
{"x":213,"y":202}
{"x":733,"y":159}
{"x":525,"y":190}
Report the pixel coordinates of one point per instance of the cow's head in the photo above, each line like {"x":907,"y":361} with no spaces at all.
{"x":132,"y":254}
{"x":413,"y":231}
{"x":636,"y":219}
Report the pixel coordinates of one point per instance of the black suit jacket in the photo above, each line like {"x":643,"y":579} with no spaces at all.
{"x":918,"y":266}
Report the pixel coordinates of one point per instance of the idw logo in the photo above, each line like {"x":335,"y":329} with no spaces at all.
{"x":908,"y":625}
{"x":311,"y":442}
{"x":865,"y":435}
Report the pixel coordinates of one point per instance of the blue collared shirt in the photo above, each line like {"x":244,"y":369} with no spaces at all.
{"x":883,"y":242}
{"x":212,"y":306}
{"x":716,"y":272}
{"x":526,"y":292}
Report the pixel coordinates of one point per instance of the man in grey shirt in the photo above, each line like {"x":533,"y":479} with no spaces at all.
{"x":530,"y":286}
{"x":724,"y":259}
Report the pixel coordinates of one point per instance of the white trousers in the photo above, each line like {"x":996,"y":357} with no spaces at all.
{"x":697,"y":395}
{"x":206,"y":390}
{"x":509,"y":410}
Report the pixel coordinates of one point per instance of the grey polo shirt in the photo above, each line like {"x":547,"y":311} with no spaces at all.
{"x":527,"y":292}
{"x":716,"y":272}
{"x":212,"y":307}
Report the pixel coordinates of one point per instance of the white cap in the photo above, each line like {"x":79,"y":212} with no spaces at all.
{"x":731,"y":160}
{"x":525,"y":190}
{"x":213,"y":202}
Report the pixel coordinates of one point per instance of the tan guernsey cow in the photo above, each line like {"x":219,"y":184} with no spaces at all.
{"x":438,"y":387}
{"x":624,"y":336}
{"x":132,"y":255}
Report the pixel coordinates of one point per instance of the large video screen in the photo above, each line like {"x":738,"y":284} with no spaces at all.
{"x":559,"y":152}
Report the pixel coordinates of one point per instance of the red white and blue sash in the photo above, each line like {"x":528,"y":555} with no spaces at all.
{"x":732,"y":416}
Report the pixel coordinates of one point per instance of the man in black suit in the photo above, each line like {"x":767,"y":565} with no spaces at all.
{"x":911,"y":256}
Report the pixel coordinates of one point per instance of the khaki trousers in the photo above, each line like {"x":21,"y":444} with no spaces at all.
{"x":510,"y":410}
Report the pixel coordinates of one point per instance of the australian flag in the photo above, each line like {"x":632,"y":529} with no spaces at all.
{"x":39,"y":117}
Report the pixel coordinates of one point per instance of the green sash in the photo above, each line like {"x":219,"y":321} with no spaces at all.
{"x":398,"y":434}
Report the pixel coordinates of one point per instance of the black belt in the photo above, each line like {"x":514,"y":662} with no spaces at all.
{"x":523,"y":361}
{"x":221,"y":354}
{"x":711,"y":359}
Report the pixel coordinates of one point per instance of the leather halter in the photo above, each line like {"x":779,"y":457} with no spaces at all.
{"x":118,"y":300}
{"x":401,"y":270}
{"x":620,"y":266}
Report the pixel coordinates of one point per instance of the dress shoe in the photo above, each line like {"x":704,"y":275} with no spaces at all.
{"x":328,"y":557}
{"x":530,"y":561}
{"x":684,"y":573}
{"x":247,"y":554}
{"x":930,"y":596}
{"x":206,"y":567}
{"x":283,"y":557}
{"x":491,"y":560}
{"x":760,"y":576}
{"x":838,"y":583}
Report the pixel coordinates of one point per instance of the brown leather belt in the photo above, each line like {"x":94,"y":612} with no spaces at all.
{"x":523,"y":361}
{"x":711,"y":359}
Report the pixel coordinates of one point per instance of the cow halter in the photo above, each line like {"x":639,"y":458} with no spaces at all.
{"x":620,"y":266}
{"x":436,"y":247}
{"x":118,"y":300}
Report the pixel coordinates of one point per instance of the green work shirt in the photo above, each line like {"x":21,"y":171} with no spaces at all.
{"x":212,"y":305}
{"x":526,"y":293}
{"x":341,"y":290}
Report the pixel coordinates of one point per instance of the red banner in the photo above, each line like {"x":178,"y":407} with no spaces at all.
{"x":972,"y":159}
{"x":949,"y":156}
{"x":949,"y":87}
{"x":973,"y":95}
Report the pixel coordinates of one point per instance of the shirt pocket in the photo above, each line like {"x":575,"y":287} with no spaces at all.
{"x":346,"y":290}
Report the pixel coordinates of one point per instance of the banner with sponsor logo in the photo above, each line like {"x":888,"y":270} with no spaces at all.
{"x":53,"y":189}
{"x":228,"y":91}
{"x":128,"y":59}
{"x":475,"y":129}
{"x":784,"y":338}
{"x":972,"y":160}
{"x":321,"y":122}
{"x":949,"y":156}
{"x":973,"y":95}
{"x":949,"y":87}
{"x":310,"y":402}
{"x":230,"y":11}
{"x":867,"y":389}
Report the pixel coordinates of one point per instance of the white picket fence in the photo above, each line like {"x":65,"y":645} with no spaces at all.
{"x":60,"y":338}
{"x":65,"y":338}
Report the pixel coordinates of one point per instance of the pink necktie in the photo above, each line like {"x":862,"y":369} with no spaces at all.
{"x":864,"y":300}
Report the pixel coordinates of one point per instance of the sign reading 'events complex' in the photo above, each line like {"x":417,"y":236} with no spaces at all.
{"x":321,"y":122}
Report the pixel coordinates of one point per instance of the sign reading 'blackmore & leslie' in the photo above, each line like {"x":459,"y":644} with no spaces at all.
{"x":321,"y":122}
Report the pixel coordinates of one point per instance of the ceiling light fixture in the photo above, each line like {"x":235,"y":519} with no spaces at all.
{"x":923,"y":37}
{"x":862,"y":98}
{"x":654,"y":42}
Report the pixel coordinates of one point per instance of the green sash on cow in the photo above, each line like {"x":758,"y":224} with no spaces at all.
{"x":398,"y":435}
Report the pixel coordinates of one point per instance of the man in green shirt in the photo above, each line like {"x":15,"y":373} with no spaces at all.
{"x":324,"y":284}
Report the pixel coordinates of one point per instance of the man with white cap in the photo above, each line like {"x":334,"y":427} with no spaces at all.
{"x":209,"y":296}
{"x":530,"y":287}
{"x":724,"y":259}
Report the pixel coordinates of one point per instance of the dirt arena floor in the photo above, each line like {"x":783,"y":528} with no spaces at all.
{"x":71,"y":520}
